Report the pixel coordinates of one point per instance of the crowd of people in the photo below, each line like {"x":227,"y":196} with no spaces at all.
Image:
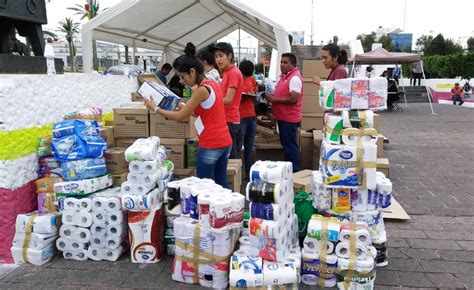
{"x":222,"y":97}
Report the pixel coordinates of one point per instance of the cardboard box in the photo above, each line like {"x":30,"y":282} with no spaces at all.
{"x":270,"y":151}
{"x":317,"y":139}
{"x":265,"y":131}
{"x":107,"y":132}
{"x":383,"y":166}
{"x":131,"y":122}
{"x":305,"y":141}
{"x":184,"y":172}
{"x":312,"y":121}
{"x":377,"y":122}
{"x":310,"y":88}
{"x":136,"y":97}
{"x":178,"y":151}
{"x":380,"y":139}
{"x":117,"y":180}
{"x":313,"y":68}
{"x":234,"y":174}
{"x":124,"y":142}
{"x":302,"y":180}
{"x":163,"y":128}
{"x":311,"y":105}
{"x":192,"y":146}
{"x":115,"y":160}
{"x":152,"y":78}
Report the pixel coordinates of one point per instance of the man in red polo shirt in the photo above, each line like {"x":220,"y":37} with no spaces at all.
{"x":287,"y":102}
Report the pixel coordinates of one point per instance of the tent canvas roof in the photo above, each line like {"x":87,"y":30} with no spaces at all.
{"x":168,"y":25}
{"x":382,"y":56}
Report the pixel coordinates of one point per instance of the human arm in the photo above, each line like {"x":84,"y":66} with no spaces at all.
{"x":317,"y":80}
{"x":234,"y":81}
{"x":295,"y":87}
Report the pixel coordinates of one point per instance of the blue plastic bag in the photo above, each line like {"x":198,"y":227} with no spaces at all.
{"x":75,"y":147}
{"x":78,"y":127}
{"x":83,"y":169}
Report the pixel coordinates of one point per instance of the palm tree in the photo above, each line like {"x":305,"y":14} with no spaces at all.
{"x":89,"y":10}
{"x":70,"y":29}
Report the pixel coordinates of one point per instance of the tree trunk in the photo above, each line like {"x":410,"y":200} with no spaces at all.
{"x":71,"y":56}
{"x":94,"y":55}
{"x":126,"y":54}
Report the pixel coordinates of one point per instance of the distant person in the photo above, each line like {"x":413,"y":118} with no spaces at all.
{"x":208,"y":60}
{"x":248,"y":118}
{"x":416,"y":73}
{"x":334,"y":58}
{"x":457,"y":94}
{"x":396,"y":73}
{"x":176,"y":86}
{"x":384,"y":74}
{"x":163,"y":72}
{"x":231,"y":85}
{"x":369,"y":71}
{"x":393,"y":94}
{"x":467,"y":89}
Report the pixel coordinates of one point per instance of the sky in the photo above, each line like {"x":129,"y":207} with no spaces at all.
{"x":346,"y":19}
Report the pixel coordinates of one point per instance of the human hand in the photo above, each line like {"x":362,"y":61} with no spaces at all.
{"x":270,"y":98}
{"x":150,"y":104}
{"x":316,"y":80}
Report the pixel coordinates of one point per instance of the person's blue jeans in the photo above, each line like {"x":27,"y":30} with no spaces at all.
{"x":234,"y":134}
{"x":212,"y":163}
{"x":456,"y":99}
{"x":288,"y":132}
{"x":247,"y":131}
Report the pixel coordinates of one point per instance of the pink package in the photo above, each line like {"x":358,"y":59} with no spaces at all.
{"x":12,"y":203}
{"x":360,"y":94}
{"x":342,"y":94}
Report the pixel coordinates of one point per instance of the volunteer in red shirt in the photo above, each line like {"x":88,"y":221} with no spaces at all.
{"x":334,"y":58}
{"x":232,"y":83}
{"x":287,"y":103}
{"x":206,"y":103}
{"x":248,"y":118}
{"x":457,"y":94}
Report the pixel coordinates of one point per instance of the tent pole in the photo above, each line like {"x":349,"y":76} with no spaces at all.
{"x":427,"y":90}
{"x":238,"y":60}
{"x":403,"y":87}
{"x":353,"y":68}
{"x":133,"y":52}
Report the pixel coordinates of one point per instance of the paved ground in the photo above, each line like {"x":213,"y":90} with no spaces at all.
{"x":432,"y":168}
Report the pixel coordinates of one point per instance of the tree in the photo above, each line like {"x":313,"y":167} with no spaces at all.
{"x":335,"y":39}
{"x":89,"y":10}
{"x":441,"y":46}
{"x":367,"y":40}
{"x":423,"y":42}
{"x":470,"y":44}
{"x":386,"y":42}
{"x":70,"y":29}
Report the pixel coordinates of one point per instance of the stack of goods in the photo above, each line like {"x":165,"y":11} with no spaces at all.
{"x":49,"y":173}
{"x":348,"y":187}
{"x":270,"y":256}
{"x":34,"y":238}
{"x":142,"y":196}
{"x":206,"y":232}
{"x":172,"y":199}
{"x":354,"y":94}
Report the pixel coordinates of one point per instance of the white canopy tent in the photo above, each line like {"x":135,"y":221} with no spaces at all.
{"x":167,"y":25}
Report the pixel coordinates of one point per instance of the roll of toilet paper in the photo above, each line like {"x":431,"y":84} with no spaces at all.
{"x":82,"y":219}
{"x":266,"y":228}
{"x":238,"y":262}
{"x":76,"y":233}
{"x":113,"y":242}
{"x":70,"y":203}
{"x":68,"y":217}
{"x":384,"y":190}
{"x":263,"y":192}
{"x":333,"y":128}
{"x":113,"y":254}
{"x":94,"y":253}
{"x":358,"y":119}
{"x":44,"y":223}
{"x":203,"y":208}
{"x":85,"y":204}
{"x":99,"y":242}
{"x":361,"y":231}
{"x":99,"y":229}
{"x":115,"y":231}
{"x":99,"y":216}
{"x":353,"y":136}
{"x":271,"y":171}
{"x":143,"y":149}
{"x":63,"y":244}
{"x":363,"y":266}
{"x":319,"y":226}
{"x":326,"y":95}
{"x":312,"y":245}
{"x":129,"y":187}
{"x":244,"y":278}
{"x":80,"y":255}
{"x":268,"y":211}
{"x":343,"y":251}
{"x":115,"y":218}
{"x":374,"y":221}
{"x":238,"y":202}
{"x":279,"y":273}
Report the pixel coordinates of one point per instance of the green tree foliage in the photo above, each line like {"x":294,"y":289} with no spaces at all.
{"x":437,"y":45}
{"x":70,"y":30}
{"x":449,"y":66}
{"x":367,"y":40}
{"x":335,"y":39}
{"x":470,"y":44}
{"x":423,"y":42}
{"x":386,"y":42}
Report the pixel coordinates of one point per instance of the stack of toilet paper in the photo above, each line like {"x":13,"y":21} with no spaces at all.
{"x":354,"y":94}
{"x":35,"y":234}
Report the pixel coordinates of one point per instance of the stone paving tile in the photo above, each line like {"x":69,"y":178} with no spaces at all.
{"x":433,"y":244}
{"x":445,"y":280}
{"x":467,"y":245}
{"x":411,"y":265}
{"x":419,"y":254}
{"x":413,"y":234}
{"x":467,"y":280}
{"x":446,"y":235}
{"x":386,"y":277}
{"x":91,"y":278}
{"x":461,"y":256}
{"x":438,"y":266}
{"x":412,"y":279}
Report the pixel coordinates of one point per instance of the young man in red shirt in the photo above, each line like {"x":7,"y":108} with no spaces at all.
{"x":231,"y":85}
{"x":457,"y":94}
{"x":287,"y":103}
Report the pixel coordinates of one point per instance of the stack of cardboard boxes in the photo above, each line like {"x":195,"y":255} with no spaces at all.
{"x":312,"y":112}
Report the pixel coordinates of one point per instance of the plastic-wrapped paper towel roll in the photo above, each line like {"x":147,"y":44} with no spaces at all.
{"x":326,"y":95}
{"x":35,"y":257}
{"x":374,"y":221}
{"x":269,"y":249}
{"x":268,"y":211}
{"x":266,"y":228}
{"x":312,"y":245}
{"x":238,"y":262}
{"x":378,"y":93}
{"x":316,"y":227}
{"x":358,"y":119}
{"x":341,"y":200}
{"x":150,"y":200}
{"x":271,"y":171}
{"x":42,"y":223}
{"x":333,"y":128}
{"x":203,"y":206}
{"x":263,"y":192}
{"x":360,"y":94}
{"x":342,"y":94}
{"x":313,"y":269}
{"x":365,"y":265}
{"x":226,"y":210}
{"x":364,"y":199}
{"x":384,"y":190}
{"x":351,"y":136}
{"x":144,"y":149}
{"x":244,"y":278}
{"x":37,"y":241}
{"x":361,"y":231}
{"x":279,"y":273}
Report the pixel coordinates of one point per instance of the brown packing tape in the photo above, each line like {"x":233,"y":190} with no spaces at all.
{"x":349,"y":163}
{"x":352,"y":247}
{"x":209,"y":257}
{"x":26,"y":242}
{"x":360,"y":132}
{"x":49,"y":202}
{"x":324,"y":247}
{"x":363,"y":119}
{"x":196,"y":243}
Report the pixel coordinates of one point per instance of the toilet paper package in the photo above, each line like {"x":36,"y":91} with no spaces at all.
{"x":374,"y":221}
{"x":46,"y":223}
{"x":75,"y":147}
{"x":362,"y":278}
{"x":326,"y":95}
{"x":47,"y":202}
{"x":316,"y":272}
{"x":322,"y":195}
{"x":143,"y":149}
{"x":320,"y":226}
{"x":341,"y":200}
{"x":265,"y":192}
{"x":271,"y":171}
{"x":226,"y":211}
{"x":361,"y":231}
{"x":146,"y":235}
{"x":83,"y":187}
{"x":364,"y":200}
{"x":333,"y":128}
{"x":36,"y":241}
{"x":46,"y":184}
{"x":244,"y":278}
{"x":279,"y":274}
{"x":360,"y":119}
{"x":361,"y":137}
{"x":268,"y":211}
{"x":78,"y":127}
{"x":150,"y":200}
{"x":267,"y":228}
{"x":83,"y":169}
{"x":342,"y":217}
{"x":275,"y":250}
{"x":313,"y":245}
{"x":32,"y":256}
{"x":360,"y":94}
{"x":378,"y":93}
{"x":342,"y":94}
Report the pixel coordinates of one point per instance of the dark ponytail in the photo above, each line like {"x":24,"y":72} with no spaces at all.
{"x":336,"y":52}
{"x":207,"y":55}
{"x":188,"y":61}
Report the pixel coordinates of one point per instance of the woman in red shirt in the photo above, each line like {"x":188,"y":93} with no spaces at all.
{"x":248,"y":118}
{"x":206,"y":103}
{"x":334,"y":58}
